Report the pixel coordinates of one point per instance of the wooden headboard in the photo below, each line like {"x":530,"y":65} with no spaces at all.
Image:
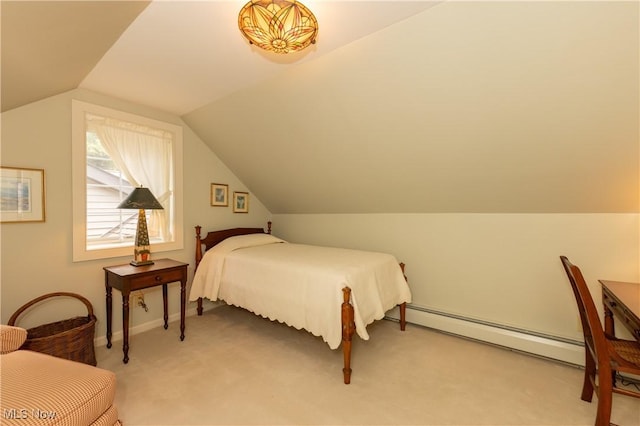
{"x":216,"y":237}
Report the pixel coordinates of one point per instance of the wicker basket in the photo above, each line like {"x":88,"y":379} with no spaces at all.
{"x":70,"y":339}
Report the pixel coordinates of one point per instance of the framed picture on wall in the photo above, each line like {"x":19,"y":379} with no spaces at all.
{"x":22,"y":192}
{"x":241,"y":202}
{"x":219,"y":195}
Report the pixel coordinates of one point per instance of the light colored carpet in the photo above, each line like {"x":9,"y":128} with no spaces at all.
{"x":235,"y":368}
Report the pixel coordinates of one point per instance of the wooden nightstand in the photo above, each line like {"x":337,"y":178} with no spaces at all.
{"x":128,"y":278}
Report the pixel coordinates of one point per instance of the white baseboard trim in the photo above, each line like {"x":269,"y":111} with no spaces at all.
{"x":141,"y":328}
{"x":567,"y":351}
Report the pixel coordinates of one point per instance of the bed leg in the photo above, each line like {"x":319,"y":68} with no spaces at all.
{"x":199,"y":305}
{"x":403,"y":306}
{"x":348,"y":329}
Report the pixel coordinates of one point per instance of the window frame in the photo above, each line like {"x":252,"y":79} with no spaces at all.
{"x":79,"y":182}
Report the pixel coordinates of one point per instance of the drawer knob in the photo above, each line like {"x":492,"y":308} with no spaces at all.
{"x":158,"y":278}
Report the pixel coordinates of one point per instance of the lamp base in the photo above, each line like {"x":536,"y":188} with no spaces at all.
{"x":142,"y":263}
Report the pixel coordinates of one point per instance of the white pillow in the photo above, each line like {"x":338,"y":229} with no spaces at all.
{"x":243,"y":241}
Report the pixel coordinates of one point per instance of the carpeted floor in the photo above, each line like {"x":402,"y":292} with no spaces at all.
{"x":235,"y":368}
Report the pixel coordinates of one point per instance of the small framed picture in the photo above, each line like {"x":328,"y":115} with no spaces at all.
{"x":241,"y":202}
{"x":219,"y":195}
{"x":22,"y":195}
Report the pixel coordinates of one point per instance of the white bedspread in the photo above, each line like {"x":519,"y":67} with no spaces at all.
{"x":301,"y":285}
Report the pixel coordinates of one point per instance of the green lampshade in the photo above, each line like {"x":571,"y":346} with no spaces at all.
{"x":141,"y":198}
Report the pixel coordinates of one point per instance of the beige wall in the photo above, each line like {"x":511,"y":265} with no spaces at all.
{"x":499,"y":268}
{"x":36,"y":257}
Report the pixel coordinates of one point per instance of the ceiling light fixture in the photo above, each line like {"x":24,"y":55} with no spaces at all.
{"x":280,"y":26}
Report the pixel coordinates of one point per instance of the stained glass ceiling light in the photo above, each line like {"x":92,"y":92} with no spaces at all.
{"x":280,"y":26}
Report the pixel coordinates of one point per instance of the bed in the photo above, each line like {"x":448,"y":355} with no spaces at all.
{"x":332,"y":293}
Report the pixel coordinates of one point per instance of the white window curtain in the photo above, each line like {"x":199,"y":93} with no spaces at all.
{"x":131,"y":146}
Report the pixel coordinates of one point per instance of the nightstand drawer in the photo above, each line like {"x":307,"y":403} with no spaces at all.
{"x":160,"y":277}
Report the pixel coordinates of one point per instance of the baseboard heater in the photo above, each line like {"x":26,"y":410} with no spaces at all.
{"x":565,"y":350}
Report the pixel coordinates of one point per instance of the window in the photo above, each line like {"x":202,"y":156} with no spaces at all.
{"x":113,"y":152}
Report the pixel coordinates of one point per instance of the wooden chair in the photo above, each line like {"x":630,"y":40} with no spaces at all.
{"x":604,"y":354}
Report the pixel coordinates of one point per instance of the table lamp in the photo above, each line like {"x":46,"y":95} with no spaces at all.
{"x":140,"y":199}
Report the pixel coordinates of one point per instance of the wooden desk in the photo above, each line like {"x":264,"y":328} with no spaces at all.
{"x":623,"y":300}
{"x":128,"y":278}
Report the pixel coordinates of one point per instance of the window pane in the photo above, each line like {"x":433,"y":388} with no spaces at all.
{"x":113,"y":152}
{"x":106,"y":188}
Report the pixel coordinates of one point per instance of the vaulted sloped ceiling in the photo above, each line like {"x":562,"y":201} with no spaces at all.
{"x":48,"y":47}
{"x":522,"y":107}
{"x":466,"y":107}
